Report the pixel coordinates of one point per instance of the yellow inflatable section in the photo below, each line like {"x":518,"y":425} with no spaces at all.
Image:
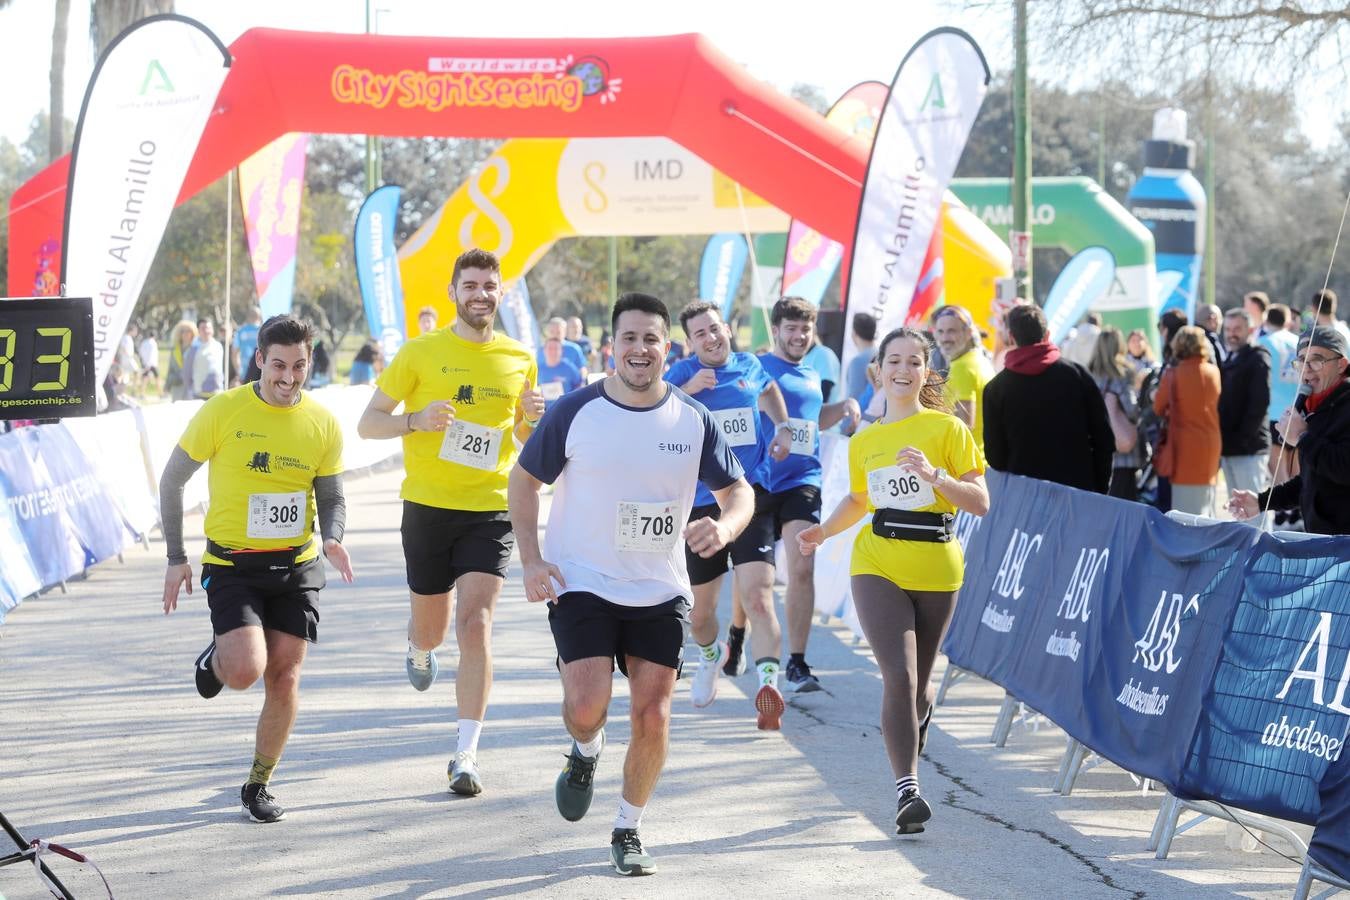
{"x":531,"y":193}
{"x":973,"y":257}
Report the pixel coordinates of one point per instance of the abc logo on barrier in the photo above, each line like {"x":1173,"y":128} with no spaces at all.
{"x":1074,"y":606}
{"x":1154,"y":651}
{"x":1008,"y":581}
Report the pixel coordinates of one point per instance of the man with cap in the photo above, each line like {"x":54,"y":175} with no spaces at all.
{"x":1317,"y":428}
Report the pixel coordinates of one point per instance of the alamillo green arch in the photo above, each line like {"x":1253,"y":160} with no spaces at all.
{"x":1073,"y":213}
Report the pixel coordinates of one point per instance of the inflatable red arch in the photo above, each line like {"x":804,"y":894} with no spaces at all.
{"x":679,"y":87}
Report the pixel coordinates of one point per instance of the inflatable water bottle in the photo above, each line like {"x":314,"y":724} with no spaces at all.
{"x":1171,"y":203}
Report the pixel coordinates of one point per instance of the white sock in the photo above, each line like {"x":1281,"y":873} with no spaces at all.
{"x":629,"y":816}
{"x":420,"y":659}
{"x":768,"y":672}
{"x":591,"y":749}
{"x":711,"y":651}
{"x":469,"y":729}
{"x":906,"y":783}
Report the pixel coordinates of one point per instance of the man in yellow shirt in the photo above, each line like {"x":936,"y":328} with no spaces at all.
{"x":970,"y":370}
{"x":466,"y":392}
{"x":276,"y":460}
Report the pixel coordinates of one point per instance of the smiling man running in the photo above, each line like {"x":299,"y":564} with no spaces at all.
{"x":276,"y":457}
{"x":466,"y":391}
{"x":633,"y":448}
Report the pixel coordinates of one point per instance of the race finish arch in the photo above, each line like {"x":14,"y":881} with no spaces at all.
{"x":1074,"y":213}
{"x":531,"y":193}
{"x":678,"y":86}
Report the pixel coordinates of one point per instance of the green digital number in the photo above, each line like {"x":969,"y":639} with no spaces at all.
{"x":6,"y":357}
{"x":52,"y":359}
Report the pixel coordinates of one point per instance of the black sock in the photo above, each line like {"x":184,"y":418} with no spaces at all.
{"x":735,"y":635}
{"x":798,"y":658}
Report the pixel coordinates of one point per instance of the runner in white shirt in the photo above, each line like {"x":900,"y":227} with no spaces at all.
{"x":628,"y":451}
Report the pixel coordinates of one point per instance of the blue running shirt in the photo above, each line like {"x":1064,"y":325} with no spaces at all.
{"x":734,"y":405}
{"x":801,"y":390}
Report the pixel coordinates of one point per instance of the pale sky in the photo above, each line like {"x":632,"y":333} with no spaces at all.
{"x":833,"y":44}
{"x":781,"y":42}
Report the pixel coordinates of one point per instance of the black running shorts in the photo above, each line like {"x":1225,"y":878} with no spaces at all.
{"x":586,"y":626}
{"x":282,"y":601}
{"x":439,"y":545}
{"x":755,"y":543}
{"x":797,"y":504}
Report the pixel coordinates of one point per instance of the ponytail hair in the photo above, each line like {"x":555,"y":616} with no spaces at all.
{"x":931,"y":394}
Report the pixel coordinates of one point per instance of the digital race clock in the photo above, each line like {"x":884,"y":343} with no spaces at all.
{"x":46,"y":358}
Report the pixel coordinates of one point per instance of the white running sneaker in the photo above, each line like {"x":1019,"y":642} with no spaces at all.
{"x":703,"y":691}
{"x":463,"y":773}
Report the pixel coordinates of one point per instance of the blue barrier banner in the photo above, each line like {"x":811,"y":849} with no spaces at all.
{"x":719,"y":274}
{"x":1005,"y":569}
{"x":1158,"y":635}
{"x":1100,"y":613}
{"x":66,"y":518}
{"x":1330,"y":844}
{"x":90,"y":512}
{"x":37,"y":509}
{"x":1277,"y":713}
{"x":18,"y":574}
{"x":377,"y":268}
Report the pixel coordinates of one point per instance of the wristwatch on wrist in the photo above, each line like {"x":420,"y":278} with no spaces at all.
{"x":782,"y":425}
{"x":938,"y":475}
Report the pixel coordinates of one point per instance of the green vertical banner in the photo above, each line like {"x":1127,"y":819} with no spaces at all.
{"x":766,"y":282}
{"x":1073,"y":214}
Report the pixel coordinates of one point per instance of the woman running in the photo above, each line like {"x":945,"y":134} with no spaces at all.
{"x":912,"y":470}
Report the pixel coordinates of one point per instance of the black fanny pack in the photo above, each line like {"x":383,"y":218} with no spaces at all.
{"x":902,"y":525}
{"x":282,"y":560}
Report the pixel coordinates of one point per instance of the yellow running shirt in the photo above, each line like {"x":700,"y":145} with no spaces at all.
{"x":948,"y":444}
{"x":966,"y":379}
{"x":263,"y":462}
{"x":464,"y":468}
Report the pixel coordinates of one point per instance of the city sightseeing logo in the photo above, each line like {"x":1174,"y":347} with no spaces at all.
{"x":469,"y":81}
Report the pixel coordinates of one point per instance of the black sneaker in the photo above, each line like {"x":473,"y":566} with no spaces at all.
{"x":576,"y":783}
{"x":259,"y":804}
{"x":799,"y":679}
{"x":923,"y":728}
{"x":911,"y":812}
{"x":208,"y":685}
{"x":627,"y":855}
{"x":735,"y":664}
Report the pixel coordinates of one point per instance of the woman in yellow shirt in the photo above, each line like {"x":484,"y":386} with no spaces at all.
{"x":911,"y":470}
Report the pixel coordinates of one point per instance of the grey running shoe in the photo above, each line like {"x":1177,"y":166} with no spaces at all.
{"x":208,"y":685}
{"x":463,"y":772}
{"x":911,"y":812}
{"x":799,"y":679}
{"x":259,"y":804}
{"x":576,"y":783}
{"x":627,"y":855}
{"x":422,"y":678}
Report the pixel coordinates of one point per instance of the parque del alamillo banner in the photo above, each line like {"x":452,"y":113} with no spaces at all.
{"x":144,"y":111}
{"x":932,"y":104}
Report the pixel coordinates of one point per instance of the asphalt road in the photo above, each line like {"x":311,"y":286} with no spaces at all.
{"x":106,"y":747}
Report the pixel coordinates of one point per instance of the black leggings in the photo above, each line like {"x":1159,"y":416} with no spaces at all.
{"x":904,"y":629}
